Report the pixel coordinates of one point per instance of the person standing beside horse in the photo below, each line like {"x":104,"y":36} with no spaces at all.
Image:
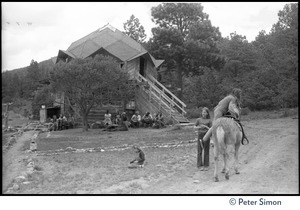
{"x":202,"y":125}
{"x":231,"y":103}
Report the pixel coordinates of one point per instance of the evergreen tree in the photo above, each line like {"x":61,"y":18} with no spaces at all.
{"x":134,"y":29}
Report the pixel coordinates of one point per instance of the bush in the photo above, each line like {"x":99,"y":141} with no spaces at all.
{"x":289,"y":112}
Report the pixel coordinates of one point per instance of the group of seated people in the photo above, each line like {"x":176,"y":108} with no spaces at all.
{"x":60,"y":123}
{"x":121,"y":121}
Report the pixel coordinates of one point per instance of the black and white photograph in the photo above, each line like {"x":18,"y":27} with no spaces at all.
{"x":151,"y":98}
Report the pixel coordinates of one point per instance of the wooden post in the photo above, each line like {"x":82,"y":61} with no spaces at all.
{"x":160,"y":96}
{"x":6,"y":115}
{"x":150,"y":92}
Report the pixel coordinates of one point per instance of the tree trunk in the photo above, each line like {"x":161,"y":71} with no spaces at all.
{"x":179,"y":80}
{"x":85,"y":122}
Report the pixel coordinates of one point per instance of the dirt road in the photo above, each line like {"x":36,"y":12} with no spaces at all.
{"x":268,"y":165}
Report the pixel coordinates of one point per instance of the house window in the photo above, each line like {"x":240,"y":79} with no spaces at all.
{"x":130,"y":104}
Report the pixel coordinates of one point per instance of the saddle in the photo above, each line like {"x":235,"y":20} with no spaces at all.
{"x":236,"y":119}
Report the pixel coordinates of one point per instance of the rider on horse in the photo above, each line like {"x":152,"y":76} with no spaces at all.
{"x":230,"y":104}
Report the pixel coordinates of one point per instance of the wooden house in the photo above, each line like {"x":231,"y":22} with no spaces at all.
{"x":151,"y":95}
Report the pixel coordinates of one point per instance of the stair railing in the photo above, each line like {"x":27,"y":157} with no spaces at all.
{"x":160,"y":92}
{"x":174,"y":98}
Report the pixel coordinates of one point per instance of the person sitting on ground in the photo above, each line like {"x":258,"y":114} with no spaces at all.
{"x":135,"y":120}
{"x":139,"y":118}
{"x":71,"y":121}
{"x":137,"y":162}
{"x":107,"y":118}
{"x":125,"y":119}
{"x":147,"y":120}
{"x":122,"y":126}
{"x":159,"y":121}
{"x":117,"y":119}
{"x":65,"y":124}
{"x":51,"y":124}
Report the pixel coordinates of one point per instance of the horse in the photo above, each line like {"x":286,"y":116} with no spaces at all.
{"x":226,"y":131}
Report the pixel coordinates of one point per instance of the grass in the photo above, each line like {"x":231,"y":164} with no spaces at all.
{"x":95,"y":138}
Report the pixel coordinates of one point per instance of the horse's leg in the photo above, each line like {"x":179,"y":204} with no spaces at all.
{"x":226,"y":170}
{"x":236,"y":157}
{"x":216,"y":154}
{"x":217,"y":138}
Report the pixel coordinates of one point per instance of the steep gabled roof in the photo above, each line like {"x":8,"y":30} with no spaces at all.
{"x":108,"y":38}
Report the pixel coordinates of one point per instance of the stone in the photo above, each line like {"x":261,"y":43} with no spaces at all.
{"x":20,"y":179}
{"x":30,"y":171}
{"x":30,"y":164}
{"x":26,"y":182}
{"x":24,"y":174}
{"x":16,"y":187}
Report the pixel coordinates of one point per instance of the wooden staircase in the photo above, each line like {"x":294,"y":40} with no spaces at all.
{"x":161,"y":99}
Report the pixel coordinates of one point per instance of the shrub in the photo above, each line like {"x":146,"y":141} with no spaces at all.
{"x":289,"y":112}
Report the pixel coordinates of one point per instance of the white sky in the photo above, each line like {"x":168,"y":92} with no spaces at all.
{"x":37,"y":30}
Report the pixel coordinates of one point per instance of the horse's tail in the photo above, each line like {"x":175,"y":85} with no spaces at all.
{"x":220,"y":139}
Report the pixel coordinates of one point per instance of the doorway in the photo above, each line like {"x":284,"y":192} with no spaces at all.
{"x":142,"y":66}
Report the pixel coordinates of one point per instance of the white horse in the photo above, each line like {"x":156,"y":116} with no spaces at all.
{"x":226,"y":132}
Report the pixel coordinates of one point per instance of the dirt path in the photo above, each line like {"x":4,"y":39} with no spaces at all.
{"x":268,"y":165}
{"x":13,"y":164}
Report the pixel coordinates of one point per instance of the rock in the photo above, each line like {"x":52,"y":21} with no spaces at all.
{"x":26,"y":182}
{"x":70,"y":149}
{"x":30,"y":164}
{"x":20,"y":179}
{"x":196,"y":181}
{"x":16,"y":187}
{"x":30,"y":171}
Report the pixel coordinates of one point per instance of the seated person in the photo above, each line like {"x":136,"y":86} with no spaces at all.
{"x":124,"y":116}
{"x":159,"y":121}
{"x":147,"y":120}
{"x":125,"y":119}
{"x":71,"y":121}
{"x":117,"y":119}
{"x":122,"y":126}
{"x":65,"y":124}
{"x":107,"y":118}
{"x":51,"y":125}
{"x":135,"y":120}
{"x":137,"y":162}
